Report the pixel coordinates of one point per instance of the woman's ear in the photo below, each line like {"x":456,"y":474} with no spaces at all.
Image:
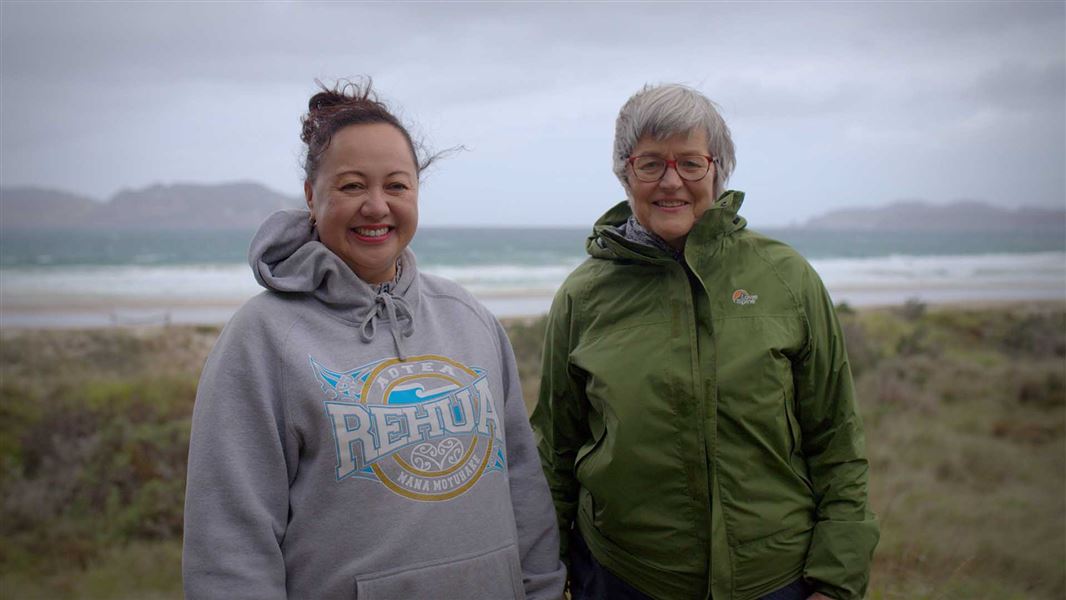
{"x":308,"y":195}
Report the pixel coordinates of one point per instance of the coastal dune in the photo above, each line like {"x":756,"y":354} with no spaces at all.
{"x":965,"y":411}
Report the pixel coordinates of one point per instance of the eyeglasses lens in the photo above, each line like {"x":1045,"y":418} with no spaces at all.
{"x":652,"y":168}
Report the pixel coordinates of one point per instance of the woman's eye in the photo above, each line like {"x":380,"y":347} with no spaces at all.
{"x":352,"y":187}
{"x":397,"y":187}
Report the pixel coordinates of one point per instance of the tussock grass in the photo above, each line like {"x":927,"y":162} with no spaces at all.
{"x":966,"y":425}
{"x":94,"y":430}
{"x":141,"y":570}
{"x":965,"y":413}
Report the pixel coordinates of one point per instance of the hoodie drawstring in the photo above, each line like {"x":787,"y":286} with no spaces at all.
{"x":395,"y":309}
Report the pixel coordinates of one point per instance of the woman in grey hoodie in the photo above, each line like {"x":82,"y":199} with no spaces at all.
{"x":359,"y":430}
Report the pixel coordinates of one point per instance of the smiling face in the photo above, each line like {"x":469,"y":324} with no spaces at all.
{"x":671,"y":206}
{"x":365,"y":199}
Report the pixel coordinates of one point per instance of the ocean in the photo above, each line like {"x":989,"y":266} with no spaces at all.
{"x":88,"y":278}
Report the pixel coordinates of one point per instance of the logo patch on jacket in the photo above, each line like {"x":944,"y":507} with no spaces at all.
{"x":425,"y":428}
{"x":742,"y":297}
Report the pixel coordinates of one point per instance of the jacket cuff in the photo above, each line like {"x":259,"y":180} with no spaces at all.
{"x":838,"y":562}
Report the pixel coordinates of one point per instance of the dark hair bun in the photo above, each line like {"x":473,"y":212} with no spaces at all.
{"x":326,"y":99}
{"x":330,"y":110}
{"x":345,"y":93}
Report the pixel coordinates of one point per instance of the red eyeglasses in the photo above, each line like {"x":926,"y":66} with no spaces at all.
{"x":691,"y":167}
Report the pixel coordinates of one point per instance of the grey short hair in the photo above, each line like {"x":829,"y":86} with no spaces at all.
{"x":671,"y":109}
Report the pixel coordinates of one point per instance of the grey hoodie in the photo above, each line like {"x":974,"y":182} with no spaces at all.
{"x":350,"y":443}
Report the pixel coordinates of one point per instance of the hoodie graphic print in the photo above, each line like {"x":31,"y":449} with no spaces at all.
{"x":356,"y":442}
{"x":425,"y":428}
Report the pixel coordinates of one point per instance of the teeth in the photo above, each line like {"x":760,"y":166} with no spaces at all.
{"x":363,"y":231}
{"x":670,"y":203}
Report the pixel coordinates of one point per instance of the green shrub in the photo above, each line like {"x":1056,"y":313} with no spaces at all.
{"x":527,"y":340}
{"x":1042,"y":388}
{"x":93,"y":463}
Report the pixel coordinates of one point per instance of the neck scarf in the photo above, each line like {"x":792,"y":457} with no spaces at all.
{"x":633,"y":231}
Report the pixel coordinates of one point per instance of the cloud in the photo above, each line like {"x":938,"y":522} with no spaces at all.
{"x":100,"y":96}
{"x":1020,"y":87}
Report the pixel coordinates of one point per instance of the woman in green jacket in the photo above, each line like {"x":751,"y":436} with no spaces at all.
{"x":696,"y":419}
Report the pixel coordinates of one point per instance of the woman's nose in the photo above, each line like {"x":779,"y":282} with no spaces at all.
{"x":670,"y":179}
{"x":375,"y":205}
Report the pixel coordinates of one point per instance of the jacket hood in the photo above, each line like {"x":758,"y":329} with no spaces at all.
{"x":286,"y":256}
{"x":719,"y":220}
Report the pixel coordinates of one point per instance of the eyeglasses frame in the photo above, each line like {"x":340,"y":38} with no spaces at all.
{"x":671,"y":163}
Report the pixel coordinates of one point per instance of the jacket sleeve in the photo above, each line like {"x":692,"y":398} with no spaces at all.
{"x":845,"y":531}
{"x":237,"y":494}
{"x":543,"y":575}
{"x":560,"y":419}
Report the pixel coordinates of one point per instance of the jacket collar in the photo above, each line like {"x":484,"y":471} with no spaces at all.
{"x":719,"y":220}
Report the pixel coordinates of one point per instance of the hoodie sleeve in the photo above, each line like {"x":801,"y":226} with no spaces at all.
{"x":845,"y":531}
{"x":561,"y":417}
{"x":237,"y":495}
{"x":543,"y":574}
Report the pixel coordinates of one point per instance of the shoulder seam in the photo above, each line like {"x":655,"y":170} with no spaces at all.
{"x":797,"y":305}
{"x":477,"y":313}
{"x":289,"y":420}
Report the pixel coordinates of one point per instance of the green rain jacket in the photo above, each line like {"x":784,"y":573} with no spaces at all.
{"x":697,"y":421}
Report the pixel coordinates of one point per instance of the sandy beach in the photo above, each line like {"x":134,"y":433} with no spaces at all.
{"x":60,"y":309}
{"x":51,"y":312}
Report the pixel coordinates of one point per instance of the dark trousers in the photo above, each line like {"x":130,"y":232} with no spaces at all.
{"x":590,"y":581}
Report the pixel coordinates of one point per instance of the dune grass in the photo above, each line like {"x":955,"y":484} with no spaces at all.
{"x":965,"y":413}
{"x":965,"y":427}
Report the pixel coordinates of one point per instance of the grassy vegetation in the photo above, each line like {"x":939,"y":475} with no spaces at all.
{"x":94,"y":433}
{"x":965,"y":425}
{"x":965,"y":415}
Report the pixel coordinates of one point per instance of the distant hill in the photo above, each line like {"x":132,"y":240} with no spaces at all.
{"x":158,"y":207}
{"x":959,"y":216}
{"x":34,"y":208}
{"x":244,"y":205}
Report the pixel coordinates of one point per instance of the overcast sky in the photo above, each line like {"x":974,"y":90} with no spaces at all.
{"x":830,"y":104}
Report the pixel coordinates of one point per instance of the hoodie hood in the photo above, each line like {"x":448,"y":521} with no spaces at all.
{"x":720,"y":219}
{"x":286,"y":256}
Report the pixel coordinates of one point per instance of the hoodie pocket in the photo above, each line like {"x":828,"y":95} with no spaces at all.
{"x":496,"y":574}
